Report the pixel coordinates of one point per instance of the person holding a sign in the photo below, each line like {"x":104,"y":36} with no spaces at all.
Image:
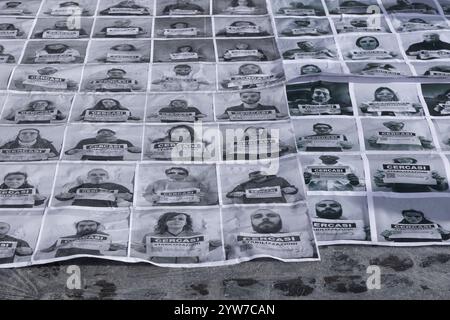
{"x":16,"y":192}
{"x":397,"y":139}
{"x":46,"y":79}
{"x":180,"y":143}
{"x":88,"y":239}
{"x":96,"y":191}
{"x":304,"y":27}
{"x":182,"y":79}
{"x":242,"y":29}
{"x":251,"y":109}
{"x":180,"y":29}
{"x":123,"y":53}
{"x":351,"y":7}
{"x":179,"y":189}
{"x":57,"y":53}
{"x":406,"y":175}
{"x":262,"y":188}
{"x":115,"y":81}
{"x":107,"y":110}
{"x":183,"y":7}
{"x":369,"y":48}
{"x":306,"y":49}
{"x":324,"y":140}
{"x":251,"y":76}
{"x":329,"y":174}
{"x":432,"y":47}
{"x":62,"y":29}
{"x":175,"y":241}
{"x":68,"y":8}
{"x":104,"y":147}
{"x":255,"y":143}
{"x":380,"y":69}
{"x":418,"y":24}
{"x":186,"y":53}
{"x":6,"y":57}
{"x":440,"y":104}
{"x":319,"y":101}
{"x":242,"y":51}
{"x":330,"y":224}
{"x":358,"y":25}
{"x":407,"y":6}
{"x":37,"y":111}
{"x":178,"y":110}
{"x":11,"y":246}
{"x":10,"y":31}
{"x":126,"y":8}
{"x":298,"y":8}
{"x":28,"y":146}
{"x":387,"y":103}
{"x":415,"y":227}
{"x":121,"y":28}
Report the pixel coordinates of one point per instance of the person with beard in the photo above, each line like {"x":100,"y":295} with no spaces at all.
{"x":327,"y":141}
{"x":266,"y":221}
{"x":6,"y":57}
{"x":242,"y":29}
{"x":304,"y":27}
{"x":105,"y":140}
{"x":385,"y":94}
{"x":349,"y":181}
{"x":121,"y":28}
{"x":114,"y":82}
{"x":126,"y":8}
{"x":319,"y":96}
{"x":254,"y":143}
{"x":174,"y":225}
{"x":404,"y":140}
{"x":250,"y":102}
{"x":183,"y":7}
{"x":68,"y":8}
{"x":37,"y":111}
{"x":30,"y":138}
{"x":63,"y":29}
{"x":10,"y":31}
{"x":430,"y":45}
{"x":440,"y":184}
{"x":106,"y":104}
{"x":308,"y":50}
{"x":96,"y":191}
{"x":179,"y":181}
{"x":16,"y":183}
{"x":11,"y":246}
{"x":57,"y":53}
{"x":87,"y":233}
{"x":169,"y":114}
{"x":262,"y":188}
{"x":329,"y":223}
{"x":411,"y":218}
{"x":182,"y":79}
{"x":407,"y":6}
{"x":243,"y":52}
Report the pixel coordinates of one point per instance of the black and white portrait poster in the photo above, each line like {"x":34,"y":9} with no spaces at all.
{"x":210,"y":132}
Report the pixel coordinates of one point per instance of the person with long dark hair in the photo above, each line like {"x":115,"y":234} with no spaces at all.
{"x":17,"y":192}
{"x":108,"y":105}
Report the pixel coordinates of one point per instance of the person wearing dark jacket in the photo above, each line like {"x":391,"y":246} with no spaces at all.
{"x":16,"y":183}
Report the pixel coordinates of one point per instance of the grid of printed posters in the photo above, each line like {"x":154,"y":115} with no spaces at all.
{"x":189,"y":133}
